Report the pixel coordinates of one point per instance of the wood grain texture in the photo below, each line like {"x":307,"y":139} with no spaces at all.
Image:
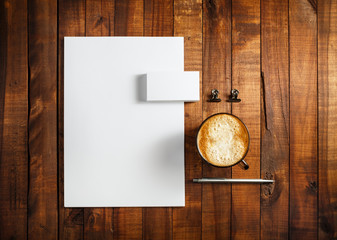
{"x":274,"y":119}
{"x":158,"y":21}
{"x":246,"y":78}
{"x":128,"y":222}
{"x":303,"y":119}
{"x":42,"y":197}
{"x":188,"y":23}
{"x":71,"y":23}
{"x":216,"y":198}
{"x":158,"y":18}
{"x":98,"y":223}
{"x":129,"y":18}
{"x":282,"y":113}
{"x":157,"y":223}
{"x":99,"y":17}
{"x":327,"y":99}
{"x":13,"y":119}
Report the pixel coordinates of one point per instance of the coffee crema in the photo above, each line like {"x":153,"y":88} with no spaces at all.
{"x":223,"y":140}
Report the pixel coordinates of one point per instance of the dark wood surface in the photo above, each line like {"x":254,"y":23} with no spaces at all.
{"x":303,"y":119}
{"x":291,"y":113}
{"x":216,"y":199}
{"x":275,"y":119}
{"x":327,"y":37}
{"x":246,"y":78}
{"x":14,"y":107}
{"x":71,"y":22}
{"x":188,"y":23}
{"x":42,"y":130}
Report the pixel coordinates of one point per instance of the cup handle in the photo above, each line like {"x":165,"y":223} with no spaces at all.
{"x":244,"y":163}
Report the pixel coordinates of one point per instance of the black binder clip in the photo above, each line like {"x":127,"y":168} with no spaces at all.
{"x":234,"y":96}
{"x":214,"y":96}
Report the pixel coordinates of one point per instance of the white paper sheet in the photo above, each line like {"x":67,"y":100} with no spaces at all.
{"x":119,"y":150}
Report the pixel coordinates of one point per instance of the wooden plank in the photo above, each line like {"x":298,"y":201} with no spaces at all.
{"x":93,"y":18}
{"x":71,"y":23}
{"x":13,"y":120}
{"x":157,"y":223}
{"x":327,"y":88}
{"x":158,"y":18}
{"x":303,"y":119}
{"x":99,"y":18}
{"x":216,"y":198}
{"x":246,"y":78}
{"x":129,"y":18}
{"x":275,"y":119}
{"x":158,"y":21}
{"x":127,"y":223}
{"x":71,"y":223}
{"x":128,"y":22}
{"x":188,"y":23}
{"x":42,"y":198}
{"x":108,"y":17}
{"x":98,"y":222}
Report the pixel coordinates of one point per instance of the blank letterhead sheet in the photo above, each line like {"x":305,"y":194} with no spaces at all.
{"x":119,"y":150}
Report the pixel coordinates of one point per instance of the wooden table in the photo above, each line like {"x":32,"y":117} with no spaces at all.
{"x":291,"y":114}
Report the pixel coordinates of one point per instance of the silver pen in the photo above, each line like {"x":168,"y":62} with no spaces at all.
{"x":231,"y":180}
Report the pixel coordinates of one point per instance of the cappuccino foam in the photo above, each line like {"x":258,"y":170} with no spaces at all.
{"x":223,"y":140}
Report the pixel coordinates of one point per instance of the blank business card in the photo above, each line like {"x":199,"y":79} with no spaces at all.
{"x":172,"y":86}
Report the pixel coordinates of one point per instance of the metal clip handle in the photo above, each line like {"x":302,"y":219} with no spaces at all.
{"x":214,"y":96}
{"x":234,"y":96}
{"x":245,"y":163}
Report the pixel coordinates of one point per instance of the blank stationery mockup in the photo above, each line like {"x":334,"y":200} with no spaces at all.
{"x":121,"y":150}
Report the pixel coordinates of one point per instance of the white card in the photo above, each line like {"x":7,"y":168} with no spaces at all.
{"x":119,"y":149}
{"x":172,"y":86}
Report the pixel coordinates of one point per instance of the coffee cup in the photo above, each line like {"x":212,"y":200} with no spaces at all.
{"x":223,"y":140}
